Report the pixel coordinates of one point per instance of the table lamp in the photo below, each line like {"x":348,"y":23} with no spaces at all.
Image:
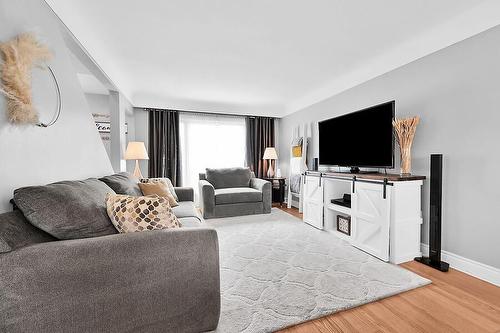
{"x":270,"y":154}
{"x":136,"y":151}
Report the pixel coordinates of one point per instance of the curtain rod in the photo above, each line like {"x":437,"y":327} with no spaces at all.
{"x":210,"y":113}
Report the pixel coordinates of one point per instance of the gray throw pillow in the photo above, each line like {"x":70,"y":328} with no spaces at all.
{"x":229,"y":177}
{"x":123,"y":183}
{"x":68,"y":209}
{"x":17,"y":232}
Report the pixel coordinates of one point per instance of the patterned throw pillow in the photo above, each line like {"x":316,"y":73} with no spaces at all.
{"x":160,"y":189}
{"x":131,"y":214}
{"x":166,"y":181}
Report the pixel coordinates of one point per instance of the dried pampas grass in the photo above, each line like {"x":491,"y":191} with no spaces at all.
{"x":19,"y":56}
{"x":405,"y":132}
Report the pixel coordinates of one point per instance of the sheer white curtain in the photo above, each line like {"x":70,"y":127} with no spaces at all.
{"x":210,"y":141}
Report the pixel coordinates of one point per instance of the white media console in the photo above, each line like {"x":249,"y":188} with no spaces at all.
{"x":385,"y":211}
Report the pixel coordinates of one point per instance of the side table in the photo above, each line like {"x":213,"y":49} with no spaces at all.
{"x":278,"y":189}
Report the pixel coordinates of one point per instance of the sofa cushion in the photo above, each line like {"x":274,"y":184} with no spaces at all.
{"x":229,"y":177}
{"x":133,"y":214}
{"x":16,"y":232}
{"x":123,"y":183}
{"x":191,"y":222}
{"x":237,"y":195}
{"x":160,"y":189}
{"x":186,"y":209}
{"x":165,"y":181}
{"x":68,"y":209}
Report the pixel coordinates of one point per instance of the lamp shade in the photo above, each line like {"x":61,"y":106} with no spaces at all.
{"x":136,"y":151}
{"x":270,"y":154}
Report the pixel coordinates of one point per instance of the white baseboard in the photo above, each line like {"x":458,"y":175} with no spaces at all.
{"x":481,"y":271}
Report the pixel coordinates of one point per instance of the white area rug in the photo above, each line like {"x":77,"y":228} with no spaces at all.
{"x":277,"y":271}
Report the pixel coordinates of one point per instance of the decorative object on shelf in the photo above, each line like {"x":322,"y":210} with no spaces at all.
{"x":345,"y":201}
{"x":20,"y":55}
{"x":270,"y":154}
{"x":344,"y":224}
{"x":278,"y":173}
{"x":136,"y":151}
{"x":405,"y":132}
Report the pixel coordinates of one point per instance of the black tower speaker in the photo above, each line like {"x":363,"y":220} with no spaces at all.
{"x":436,"y":187}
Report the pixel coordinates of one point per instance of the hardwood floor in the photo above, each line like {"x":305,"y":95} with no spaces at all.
{"x":454,"y":302}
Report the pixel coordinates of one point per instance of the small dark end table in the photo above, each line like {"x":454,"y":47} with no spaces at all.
{"x":278,"y":193}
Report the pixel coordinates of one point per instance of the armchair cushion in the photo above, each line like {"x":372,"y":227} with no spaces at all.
{"x":123,"y":183}
{"x":67,"y":209}
{"x":229,"y":177}
{"x":237,"y":195}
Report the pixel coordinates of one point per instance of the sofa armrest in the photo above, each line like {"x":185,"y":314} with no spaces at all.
{"x":184,"y":193}
{"x":265,"y":187}
{"x":207,"y":198}
{"x":153,"y":281}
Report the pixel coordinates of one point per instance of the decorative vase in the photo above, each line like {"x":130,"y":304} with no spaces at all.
{"x":405,"y":132}
{"x":405,"y":154}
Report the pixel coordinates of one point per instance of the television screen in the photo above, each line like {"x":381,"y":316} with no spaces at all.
{"x":359,"y":139}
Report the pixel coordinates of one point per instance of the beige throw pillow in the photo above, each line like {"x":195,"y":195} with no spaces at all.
{"x":160,"y":189}
{"x":132,"y":214}
{"x":166,"y":181}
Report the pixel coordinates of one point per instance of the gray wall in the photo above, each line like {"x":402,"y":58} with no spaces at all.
{"x":128,"y":111}
{"x":71,"y":149}
{"x":141,"y":134}
{"x":123,"y":112}
{"x":456,"y":92}
{"x":99,"y":104}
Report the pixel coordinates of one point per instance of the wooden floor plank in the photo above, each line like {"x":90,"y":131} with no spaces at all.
{"x":454,"y":302}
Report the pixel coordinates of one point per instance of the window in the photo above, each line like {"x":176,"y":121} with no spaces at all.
{"x":210,"y":141}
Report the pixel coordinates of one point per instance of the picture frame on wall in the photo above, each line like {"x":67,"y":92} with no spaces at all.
{"x":344,"y":224}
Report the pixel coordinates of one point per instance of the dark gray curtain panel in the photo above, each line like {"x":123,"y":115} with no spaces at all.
{"x":164,"y":155}
{"x":260,"y":135}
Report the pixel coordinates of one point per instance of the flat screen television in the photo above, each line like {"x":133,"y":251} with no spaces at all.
{"x":360,"y":139}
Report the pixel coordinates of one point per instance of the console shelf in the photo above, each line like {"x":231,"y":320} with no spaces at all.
{"x":339,"y":208}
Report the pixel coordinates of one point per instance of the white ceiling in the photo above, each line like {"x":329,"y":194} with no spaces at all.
{"x":261,"y":57}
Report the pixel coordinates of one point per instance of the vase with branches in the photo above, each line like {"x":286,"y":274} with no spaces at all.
{"x":405,"y":132}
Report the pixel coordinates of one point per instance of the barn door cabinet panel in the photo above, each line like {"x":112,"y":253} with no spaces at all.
{"x":313,"y":201}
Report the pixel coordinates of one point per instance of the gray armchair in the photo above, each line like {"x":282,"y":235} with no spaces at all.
{"x":233,"y":192}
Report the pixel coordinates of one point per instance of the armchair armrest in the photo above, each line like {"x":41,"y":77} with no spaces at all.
{"x":207,"y":198}
{"x":184,"y":193}
{"x":265,"y":187}
{"x":154,"y":281}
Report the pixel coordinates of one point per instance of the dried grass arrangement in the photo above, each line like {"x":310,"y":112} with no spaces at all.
{"x":20,"y":55}
{"x":405,"y":132}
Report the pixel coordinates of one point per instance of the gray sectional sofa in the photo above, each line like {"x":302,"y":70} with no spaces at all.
{"x":53,"y":280}
{"x":233,"y":192}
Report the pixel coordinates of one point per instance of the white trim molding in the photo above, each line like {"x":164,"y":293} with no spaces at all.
{"x":479,"y":270}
